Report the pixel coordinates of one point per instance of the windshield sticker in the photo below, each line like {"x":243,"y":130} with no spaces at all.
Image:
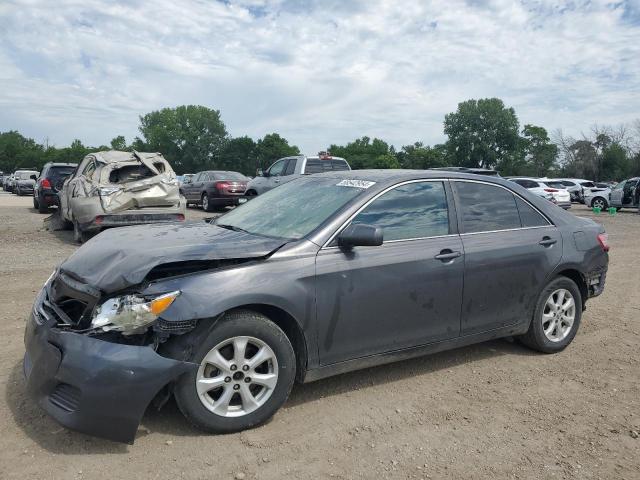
{"x":355,"y":183}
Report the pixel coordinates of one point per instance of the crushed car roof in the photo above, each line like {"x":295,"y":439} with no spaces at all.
{"x":113,"y":156}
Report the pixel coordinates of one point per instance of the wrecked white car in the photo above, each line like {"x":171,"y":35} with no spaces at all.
{"x":112,"y":189}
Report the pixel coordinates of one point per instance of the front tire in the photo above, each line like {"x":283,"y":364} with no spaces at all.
{"x":247,"y":369}
{"x":556,"y":318}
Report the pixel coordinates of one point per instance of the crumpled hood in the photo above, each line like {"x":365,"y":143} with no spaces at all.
{"x":122,"y":257}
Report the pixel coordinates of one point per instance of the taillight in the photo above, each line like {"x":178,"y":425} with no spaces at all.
{"x":45,"y":183}
{"x":180,"y":217}
{"x":220,"y":185}
{"x":98,"y":220}
{"x":553,"y":190}
{"x":603,"y":240}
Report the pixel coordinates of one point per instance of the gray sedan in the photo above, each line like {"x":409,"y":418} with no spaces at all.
{"x":323,"y":275}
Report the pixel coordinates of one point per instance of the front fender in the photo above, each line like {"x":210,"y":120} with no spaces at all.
{"x":285,"y":283}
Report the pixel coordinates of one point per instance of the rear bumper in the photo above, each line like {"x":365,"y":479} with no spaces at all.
{"x":227,"y":200}
{"x":49,"y":197}
{"x":131,"y":218}
{"x":93,"y":386}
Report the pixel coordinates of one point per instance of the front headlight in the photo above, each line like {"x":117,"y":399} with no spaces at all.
{"x":131,"y":314}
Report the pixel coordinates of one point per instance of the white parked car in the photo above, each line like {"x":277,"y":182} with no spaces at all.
{"x":597,"y":197}
{"x":577,"y":187}
{"x":552,"y":190}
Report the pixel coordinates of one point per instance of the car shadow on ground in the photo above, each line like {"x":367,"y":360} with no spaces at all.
{"x":169,"y":421}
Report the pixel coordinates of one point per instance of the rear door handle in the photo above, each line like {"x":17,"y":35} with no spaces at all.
{"x":547,"y":242}
{"x":446,"y":255}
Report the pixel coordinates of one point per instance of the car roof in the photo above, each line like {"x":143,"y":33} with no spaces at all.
{"x":398,"y":175}
{"x":113,"y":156}
{"x":61,"y":164}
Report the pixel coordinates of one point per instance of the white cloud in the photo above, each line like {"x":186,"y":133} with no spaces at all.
{"x":318,"y":72}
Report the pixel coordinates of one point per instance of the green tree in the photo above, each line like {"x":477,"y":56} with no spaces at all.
{"x":270,"y":148}
{"x":191,"y":137}
{"x":540,"y":153}
{"x":418,"y":156}
{"x":366,"y":153}
{"x":238,"y":155}
{"x":482,"y":133}
{"x":119,"y":143}
{"x":17,"y":151}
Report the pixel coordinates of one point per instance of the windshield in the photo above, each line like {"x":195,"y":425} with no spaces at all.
{"x":294,"y":209}
{"x":61,"y":171}
{"x":556,"y":185}
{"x":25,"y":175}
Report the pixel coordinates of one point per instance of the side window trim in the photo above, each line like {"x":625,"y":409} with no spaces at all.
{"x":459,"y":217}
{"x":453,"y":227}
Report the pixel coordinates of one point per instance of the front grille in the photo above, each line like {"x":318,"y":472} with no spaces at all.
{"x":66,"y":397}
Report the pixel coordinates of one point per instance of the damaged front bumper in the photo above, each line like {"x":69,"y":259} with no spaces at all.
{"x":94,"y":386}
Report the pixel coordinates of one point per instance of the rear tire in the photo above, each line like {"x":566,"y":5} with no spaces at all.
{"x":235,"y":403}
{"x":599,"y":202}
{"x":206,"y":204}
{"x":552,"y":329}
{"x":41,"y":206}
{"x":80,"y":236}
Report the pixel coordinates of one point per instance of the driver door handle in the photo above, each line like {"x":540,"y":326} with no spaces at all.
{"x":446,"y":255}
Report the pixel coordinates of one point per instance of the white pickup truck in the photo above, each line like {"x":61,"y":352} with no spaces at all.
{"x":289,"y":168}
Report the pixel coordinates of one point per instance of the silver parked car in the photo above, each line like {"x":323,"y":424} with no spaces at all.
{"x":112,"y":188}
{"x":289,"y":168}
{"x":24,"y":181}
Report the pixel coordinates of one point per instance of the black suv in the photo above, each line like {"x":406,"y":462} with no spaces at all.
{"x":49,"y":183}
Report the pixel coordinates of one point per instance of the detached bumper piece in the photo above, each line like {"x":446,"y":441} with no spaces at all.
{"x":93,"y":386}
{"x":596,"y":280}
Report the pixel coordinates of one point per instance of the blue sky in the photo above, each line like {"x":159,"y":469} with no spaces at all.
{"x":318,"y":72}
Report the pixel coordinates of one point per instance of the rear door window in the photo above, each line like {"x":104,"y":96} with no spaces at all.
{"x":339,"y":165}
{"x":414,"y":210}
{"x":291,"y":166}
{"x":486,"y":208}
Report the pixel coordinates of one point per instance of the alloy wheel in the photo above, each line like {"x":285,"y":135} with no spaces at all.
{"x":598,"y":203}
{"x":558,"y":315}
{"x":205,"y":202}
{"x":237,"y":376}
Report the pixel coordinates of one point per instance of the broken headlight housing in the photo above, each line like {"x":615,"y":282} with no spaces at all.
{"x":131,"y":314}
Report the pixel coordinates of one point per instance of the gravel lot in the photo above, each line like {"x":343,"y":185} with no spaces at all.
{"x":490,"y":410}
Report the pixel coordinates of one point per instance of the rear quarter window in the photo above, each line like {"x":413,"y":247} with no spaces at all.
{"x":529,"y":216}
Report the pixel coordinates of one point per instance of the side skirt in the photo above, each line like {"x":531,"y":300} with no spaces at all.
{"x":413,"y":352}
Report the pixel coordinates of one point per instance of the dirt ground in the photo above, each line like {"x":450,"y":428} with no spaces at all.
{"x":490,"y":410}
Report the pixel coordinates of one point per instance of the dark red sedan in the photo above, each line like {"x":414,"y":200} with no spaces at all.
{"x":215,"y":188}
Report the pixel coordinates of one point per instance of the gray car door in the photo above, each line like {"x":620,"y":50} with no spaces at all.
{"x":404,"y":293}
{"x":510,"y":250}
{"x":272,"y":180}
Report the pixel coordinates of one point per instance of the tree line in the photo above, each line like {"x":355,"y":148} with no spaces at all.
{"x":480,"y":133}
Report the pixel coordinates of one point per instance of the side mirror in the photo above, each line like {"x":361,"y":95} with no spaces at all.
{"x":360,"y":235}
{"x":187,"y":180}
{"x":261,"y":173}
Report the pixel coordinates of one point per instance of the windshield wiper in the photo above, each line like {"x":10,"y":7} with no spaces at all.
{"x":232,"y":227}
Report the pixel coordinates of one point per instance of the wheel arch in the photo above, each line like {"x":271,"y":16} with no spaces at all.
{"x":579,"y":280}
{"x":180,"y":345}
{"x":291,"y":328}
